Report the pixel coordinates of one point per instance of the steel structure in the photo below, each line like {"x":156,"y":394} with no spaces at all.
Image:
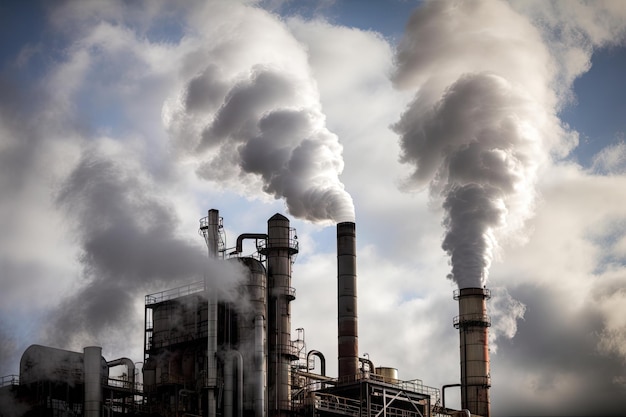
{"x":216,"y":352}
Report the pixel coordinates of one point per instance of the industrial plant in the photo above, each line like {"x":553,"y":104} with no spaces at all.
{"x":208,"y":356}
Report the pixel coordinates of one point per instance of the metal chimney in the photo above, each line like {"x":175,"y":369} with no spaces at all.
{"x":347,"y":325}
{"x":92,"y":370}
{"x":210,"y":228}
{"x":281,"y":246}
{"x":473,"y":323}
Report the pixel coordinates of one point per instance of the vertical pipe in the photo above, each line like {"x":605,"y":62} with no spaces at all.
{"x":251,"y":331}
{"x":473,"y":323}
{"x":259,"y":366}
{"x":233,"y":361}
{"x":212,"y":239}
{"x":280,"y":248}
{"x":347,"y":324}
{"x":92,"y":368}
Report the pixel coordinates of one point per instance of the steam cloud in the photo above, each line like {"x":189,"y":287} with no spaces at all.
{"x":128,"y":247}
{"x":478,"y":130}
{"x":250,"y":116}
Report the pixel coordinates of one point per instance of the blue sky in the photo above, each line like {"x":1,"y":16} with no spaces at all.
{"x":603,"y":84}
{"x":122,"y":123}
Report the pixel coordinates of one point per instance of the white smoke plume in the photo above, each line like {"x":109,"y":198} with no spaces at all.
{"x":481,"y":125}
{"x":248,"y":111}
{"x":505,"y":311}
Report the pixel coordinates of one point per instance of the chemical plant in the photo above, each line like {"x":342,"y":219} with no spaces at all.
{"x":204,"y":356}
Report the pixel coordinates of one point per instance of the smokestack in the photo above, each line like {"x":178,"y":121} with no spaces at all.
{"x":210,"y":227}
{"x":473,"y":323}
{"x":281,"y":246}
{"x":92,"y":361}
{"x":347,"y":326}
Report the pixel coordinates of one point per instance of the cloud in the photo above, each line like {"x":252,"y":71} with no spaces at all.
{"x":103,"y":137}
{"x":611,"y":160}
{"x":479,"y":131}
{"x":262,"y":119}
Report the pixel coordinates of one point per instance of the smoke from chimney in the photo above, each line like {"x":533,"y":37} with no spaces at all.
{"x":478,"y":129}
{"x":250,"y":114}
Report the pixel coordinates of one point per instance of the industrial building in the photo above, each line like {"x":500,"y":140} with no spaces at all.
{"x":206,"y":356}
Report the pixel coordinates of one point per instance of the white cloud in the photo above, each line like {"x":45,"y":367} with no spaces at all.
{"x":106,"y":107}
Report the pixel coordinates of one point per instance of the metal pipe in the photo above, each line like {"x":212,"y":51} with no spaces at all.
{"x":229,"y":384}
{"x":212,"y":239}
{"x":259,"y":366}
{"x":240,"y":239}
{"x":473,"y":324}
{"x":92,"y":368}
{"x":322,"y":360}
{"x":347,"y":324}
{"x":443,"y":393}
{"x":130,"y":368}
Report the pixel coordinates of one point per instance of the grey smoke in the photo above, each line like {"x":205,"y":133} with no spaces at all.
{"x":245,"y":121}
{"x":287,"y":146}
{"x":129,"y":245}
{"x":479,"y":129}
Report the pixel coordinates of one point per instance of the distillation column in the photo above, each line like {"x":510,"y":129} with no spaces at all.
{"x":210,"y":228}
{"x":347,"y":321}
{"x":473,"y":323}
{"x":279,"y":250}
{"x":92,"y":363}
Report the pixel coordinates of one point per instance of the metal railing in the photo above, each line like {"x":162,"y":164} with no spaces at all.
{"x":414,"y":385}
{"x":125,"y":384}
{"x":9,"y":380}
{"x":472,"y":319}
{"x":161,"y":339}
{"x":174,"y":293}
{"x":339,"y":405}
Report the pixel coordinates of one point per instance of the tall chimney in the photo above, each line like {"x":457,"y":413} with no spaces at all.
{"x":210,"y":228}
{"x":92,"y":371}
{"x":473,"y":323}
{"x":280,"y":249}
{"x":347,"y":326}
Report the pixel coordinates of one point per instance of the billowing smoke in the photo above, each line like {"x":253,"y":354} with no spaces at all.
{"x":249,"y":112}
{"x":129,"y":246}
{"x":482,"y":123}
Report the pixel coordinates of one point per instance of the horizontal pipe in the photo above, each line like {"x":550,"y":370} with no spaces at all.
{"x":242,"y":237}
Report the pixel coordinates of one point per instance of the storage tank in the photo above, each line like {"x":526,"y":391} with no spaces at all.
{"x":389,"y":375}
{"x":252,"y":340}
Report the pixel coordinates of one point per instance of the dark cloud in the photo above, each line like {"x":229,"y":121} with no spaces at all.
{"x":553,"y":365}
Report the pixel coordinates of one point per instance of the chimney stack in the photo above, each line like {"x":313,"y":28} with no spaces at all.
{"x":473,"y":323}
{"x":347,"y":326}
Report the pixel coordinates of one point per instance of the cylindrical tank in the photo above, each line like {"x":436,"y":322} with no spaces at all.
{"x":279,"y":250}
{"x":43,"y":363}
{"x":347,"y":322}
{"x":251,"y":308}
{"x":389,"y":375}
{"x":473,"y":323}
{"x":92,"y":361}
